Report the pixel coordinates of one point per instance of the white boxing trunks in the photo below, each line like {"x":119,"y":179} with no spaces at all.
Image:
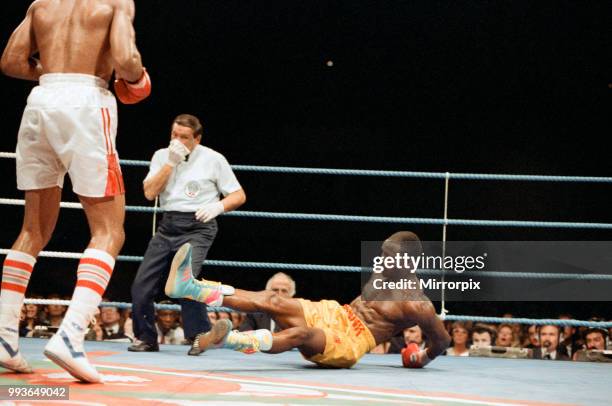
{"x":70,"y":125}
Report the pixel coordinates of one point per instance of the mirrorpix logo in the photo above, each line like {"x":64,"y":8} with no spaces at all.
{"x":459,"y":264}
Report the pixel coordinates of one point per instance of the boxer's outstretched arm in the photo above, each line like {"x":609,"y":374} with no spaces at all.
{"x":437,"y":337}
{"x":127,"y":61}
{"x":17,"y":60}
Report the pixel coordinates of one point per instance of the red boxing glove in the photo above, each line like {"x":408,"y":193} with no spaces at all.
{"x":131,"y":93}
{"x":414,"y":357}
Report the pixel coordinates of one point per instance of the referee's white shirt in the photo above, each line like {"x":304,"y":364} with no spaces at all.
{"x":204,"y":178}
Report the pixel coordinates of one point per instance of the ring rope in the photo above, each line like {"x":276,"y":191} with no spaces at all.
{"x":443,"y":309}
{"x":482,"y":319}
{"x":403,"y":174}
{"x":341,"y":268}
{"x":368,"y":219}
{"x":525,"y":275}
{"x":397,"y":174}
{"x":540,"y":322}
{"x":119,"y":305}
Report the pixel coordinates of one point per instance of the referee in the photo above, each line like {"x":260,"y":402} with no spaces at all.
{"x":195,"y":184}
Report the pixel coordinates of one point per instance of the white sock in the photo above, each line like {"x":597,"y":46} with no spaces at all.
{"x":16,"y":272}
{"x":265,"y":338}
{"x":93,"y":275}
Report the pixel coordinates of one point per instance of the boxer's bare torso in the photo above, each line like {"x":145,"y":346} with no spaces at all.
{"x":78,"y":36}
{"x":386,"y":313}
{"x":73,"y":36}
{"x":386,"y":319}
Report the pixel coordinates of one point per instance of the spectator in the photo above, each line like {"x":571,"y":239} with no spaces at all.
{"x":213,"y":317}
{"x":281,"y":284}
{"x":482,"y":336}
{"x":237,"y":318}
{"x":128,"y":326}
{"x":595,"y":339}
{"x":169,"y":330}
{"x":533,"y":340}
{"x":459,"y":346}
{"x":549,"y":344}
{"x":569,"y":341}
{"x":505,"y":335}
{"x":54,"y":313}
{"x":112,"y":326}
{"x":412,"y":334}
{"x":516,"y":331}
{"x":34,"y":316}
{"x":22,"y":318}
{"x":224,"y":315}
{"x":94,"y":330}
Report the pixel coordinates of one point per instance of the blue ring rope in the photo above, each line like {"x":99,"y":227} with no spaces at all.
{"x":482,"y":319}
{"x":540,"y":322}
{"x":397,"y":174}
{"x":370,"y":219}
{"x":405,"y":174}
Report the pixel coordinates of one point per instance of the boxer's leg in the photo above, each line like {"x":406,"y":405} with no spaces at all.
{"x":194,"y":314}
{"x":287,"y":312}
{"x":310,"y":341}
{"x":105,"y":216}
{"x":40,"y":216}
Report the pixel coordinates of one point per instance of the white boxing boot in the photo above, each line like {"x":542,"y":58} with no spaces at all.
{"x":65,"y":348}
{"x":10,"y":358}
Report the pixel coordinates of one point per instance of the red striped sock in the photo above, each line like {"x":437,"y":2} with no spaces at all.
{"x":16,"y":273}
{"x":95,"y":270}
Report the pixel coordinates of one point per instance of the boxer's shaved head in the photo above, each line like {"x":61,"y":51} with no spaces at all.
{"x":403,"y":242}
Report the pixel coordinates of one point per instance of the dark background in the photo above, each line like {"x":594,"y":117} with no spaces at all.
{"x":485,"y":86}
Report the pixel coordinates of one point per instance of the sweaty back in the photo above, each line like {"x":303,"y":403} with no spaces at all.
{"x":72,"y":36}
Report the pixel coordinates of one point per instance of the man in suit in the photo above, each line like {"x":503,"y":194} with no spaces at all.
{"x":549,"y":344}
{"x":112,"y":325}
{"x":283,"y":285}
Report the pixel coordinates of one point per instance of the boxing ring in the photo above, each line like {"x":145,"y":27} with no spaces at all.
{"x":225,"y":377}
{"x":228,"y":378}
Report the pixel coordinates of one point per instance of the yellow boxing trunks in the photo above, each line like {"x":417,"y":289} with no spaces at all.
{"x":346,"y":337}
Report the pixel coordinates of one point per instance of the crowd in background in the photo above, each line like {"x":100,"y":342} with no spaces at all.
{"x":110,"y":323}
{"x":541,"y":342}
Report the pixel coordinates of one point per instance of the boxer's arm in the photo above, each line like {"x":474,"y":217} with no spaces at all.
{"x":17,"y":60}
{"x":125,"y":55}
{"x":155,"y":184}
{"x":438,"y":339}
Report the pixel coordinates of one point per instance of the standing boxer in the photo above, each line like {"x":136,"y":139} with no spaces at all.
{"x":69,"y":125}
